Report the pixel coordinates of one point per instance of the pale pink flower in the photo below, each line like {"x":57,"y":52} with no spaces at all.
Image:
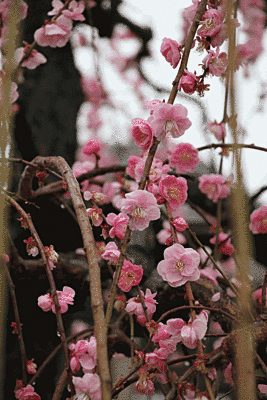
{"x":142,"y":207}
{"x":142,"y":133}
{"x":216,"y":297}
{"x":96,"y":215}
{"x":110,"y":189}
{"x":51,"y":255}
{"x":33,"y":60}
{"x":31,"y":367}
{"x":161,"y":333}
{"x":211,"y":23}
{"x":83,"y":353}
{"x":174,"y":327}
{"x":131,"y":275}
{"x":258,"y":220}
{"x":170,"y":50}
{"x":134,"y":305}
{"x":194,"y":331}
{"x":65,"y":298}
{"x":218,"y":129}
{"x":57,"y":7}
{"x":89,"y":385}
{"x":118,"y":223}
{"x":188,"y":82}
{"x":81,"y":167}
{"x":144,"y":384}
{"x":257,"y":296}
{"x":179,"y":265}
{"x":226,"y":248}
{"x":184,"y":158}
{"x":216,"y":62}
{"x":154,"y":361}
{"x":188,"y":15}
{"x":91,"y":147}
{"x":214,"y":186}
{"x":54,"y":34}
{"x":25,"y":393}
{"x":132,"y":163}
{"x":75,"y":11}
{"x":168,"y":118}
{"x":262,"y":388}
{"x":152,"y":105}
{"x":174,"y":190}
{"x":93,"y":90}
{"x":111,"y":253}
{"x":210,"y":273}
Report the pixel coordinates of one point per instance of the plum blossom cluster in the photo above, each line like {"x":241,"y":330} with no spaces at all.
{"x":215,"y":186}
{"x":65,"y":298}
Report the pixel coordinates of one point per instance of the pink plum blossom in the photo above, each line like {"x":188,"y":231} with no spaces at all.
{"x":31,"y":367}
{"x":188,"y":82}
{"x":118,"y":223}
{"x":91,"y":147}
{"x":262,"y":389}
{"x":170,"y":50}
{"x":111,"y":253}
{"x":144,"y":384}
{"x":216,"y":62}
{"x":174,"y":327}
{"x":51,"y":255}
{"x":157,"y":170}
{"x":31,"y":247}
{"x":110,"y":189}
{"x":174,"y":190}
{"x":131,"y":275}
{"x":33,"y":60}
{"x":257,"y":296}
{"x":142,"y":133}
{"x":180,"y":224}
{"x":169,"y":119}
{"x":218,"y":129}
{"x":65,"y":298}
{"x":142,"y":207}
{"x":258,"y":220}
{"x":194,"y":331}
{"x":134,"y":305}
{"x":165,"y":234}
{"x":179,"y":265}
{"x":226,"y":248}
{"x":25,"y":393}
{"x":75,"y":10}
{"x":83,"y":354}
{"x":89,"y":385}
{"x":54,"y":34}
{"x":184,"y":158}
{"x":211,"y":23}
{"x":96,"y":215}
{"x":214,"y":186}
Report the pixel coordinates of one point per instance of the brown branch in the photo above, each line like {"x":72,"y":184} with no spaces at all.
{"x":60,"y":385}
{"x":232,"y":146}
{"x":101,"y":171}
{"x":94,"y":270}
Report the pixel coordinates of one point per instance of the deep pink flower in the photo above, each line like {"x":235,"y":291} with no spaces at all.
{"x":142,"y":207}
{"x":170,"y":49}
{"x":25,"y":393}
{"x":258,"y":220}
{"x":54,"y":34}
{"x":214,"y":186}
{"x":226,"y":248}
{"x":211,"y":23}
{"x":216,"y":62}
{"x":65,"y":298}
{"x":96,"y":215}
{"x":91,"y":147}
{"x":89,"y":385}
{"x":188,"y":82}
{"x":118,"y":223}
{"x":218,"y":129}
{"x":184,"y":158}
{"x":131,"y":275}
{"x":179,"y":265}
{"x":31,"y":247}
{"x":142,"y":133}
{"x":31,"y":367}
{"x":180,"y":224}
{"x":134,"y":305}
{"x":111,"y":253}
{"x":168,"y":118}
{"x":33,"y":60}
{"x":174,"y":190}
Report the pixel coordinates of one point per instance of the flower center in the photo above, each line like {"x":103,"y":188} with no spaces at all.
{"x":173,"y":192}
{"x":179,"y":266}
{"x":209,"y":23}
{"x":170,"y":125}
{"x":185,"y":157}
{"x":138,"y":212}
{"x":130,"y":276}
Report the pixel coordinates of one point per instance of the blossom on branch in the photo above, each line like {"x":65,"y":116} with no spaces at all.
{"x":184,"y":158}
{"x":216,"y":62}
{"x":214,"y":186}
{"x":65,"y":298}
{"x":174,"y":190}
{"x":142,"y":207}
{"x":188,"y":82}
{"x":33,"y":60}
{"x":170,"y":50}
{"x":25,"y":393}
{"x":218,"y":129}
{"x":142,"y":133}
{"x":179,"y":265}
{"x":258,"y":220}
{"x":88,"y":385}
{"x":54,"y":33}
{"x":169,"y":119}
{"x":131,"y":275}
